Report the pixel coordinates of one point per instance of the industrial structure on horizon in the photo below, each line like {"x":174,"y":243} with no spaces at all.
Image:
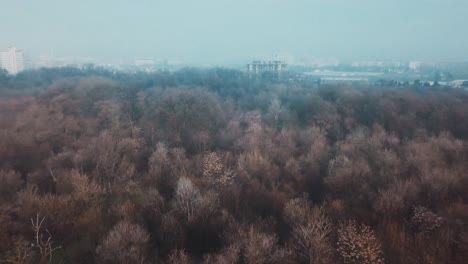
{"x":12,"y":60}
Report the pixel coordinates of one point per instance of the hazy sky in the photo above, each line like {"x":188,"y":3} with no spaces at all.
{"x":218,"y":31}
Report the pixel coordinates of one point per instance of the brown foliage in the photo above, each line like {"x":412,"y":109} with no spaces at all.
{"x":424,"y":220}
{"x":216,"y":172}
{"x":213,"y":171}
{"x":358,"y":244}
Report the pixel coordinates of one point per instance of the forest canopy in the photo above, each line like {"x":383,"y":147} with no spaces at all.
{"x":215,"y":166}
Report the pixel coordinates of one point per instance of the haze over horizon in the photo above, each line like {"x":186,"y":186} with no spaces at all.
{"x":227,"y":31}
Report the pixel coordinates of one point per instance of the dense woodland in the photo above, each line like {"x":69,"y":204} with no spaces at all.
{"x":214,"y":166}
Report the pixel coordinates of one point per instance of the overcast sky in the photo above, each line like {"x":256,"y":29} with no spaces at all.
{"x":227,"y":31}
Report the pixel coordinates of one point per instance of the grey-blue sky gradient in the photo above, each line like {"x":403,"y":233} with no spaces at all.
{"x":229,"y":31}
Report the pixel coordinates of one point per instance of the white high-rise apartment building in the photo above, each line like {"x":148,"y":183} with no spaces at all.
{"x":12,"y":60}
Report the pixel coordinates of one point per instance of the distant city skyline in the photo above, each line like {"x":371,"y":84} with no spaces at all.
{"x":153,"y":63}
{"x":228,"y":31}
{"x":283,"y":56}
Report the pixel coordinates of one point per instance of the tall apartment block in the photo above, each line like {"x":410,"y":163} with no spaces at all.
{"x":12,"y":60}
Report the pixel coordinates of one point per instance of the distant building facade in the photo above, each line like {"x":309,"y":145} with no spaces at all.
{"x":12,"y":60}
{"x":343,"y":81}
{"x":459,"y":84}
{"x":414,"y":65}
{"x":266,"y":66}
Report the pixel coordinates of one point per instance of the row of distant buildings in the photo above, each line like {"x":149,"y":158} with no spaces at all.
{"x":12,"y":60}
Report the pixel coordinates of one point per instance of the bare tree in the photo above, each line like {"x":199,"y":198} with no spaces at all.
{"x":43,"y":244}
{"x":248,"y":245}
{"x":311,"y":229}
{"x":311,"y":241}
{"x":21,"y":253}
{"x":187,"y":197}
{"x":125,"y":243}
{"x":191,"y":203}
{"x":159,"y":160}
{"x":179,"y":256}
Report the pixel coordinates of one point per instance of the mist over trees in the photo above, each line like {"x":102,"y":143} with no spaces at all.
{"x":214,"y":166}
